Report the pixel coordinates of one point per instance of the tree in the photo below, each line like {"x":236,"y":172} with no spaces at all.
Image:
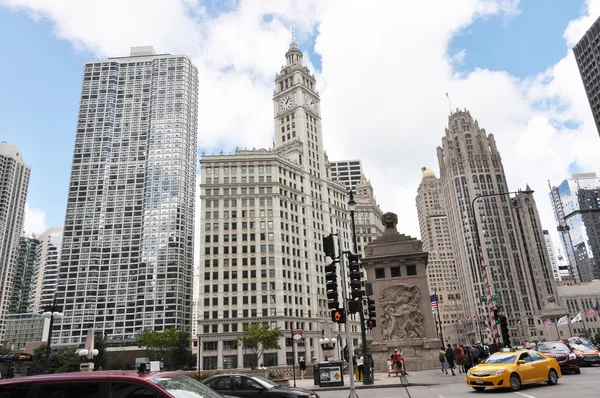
{"x":64,"y":360}
{"x":256,"y":338}
{"x":37,"y":362}
{"x":596,"y":338}
{"x":157,"y":343}
{"x":180,"y":355}
{"x":100,"y":360}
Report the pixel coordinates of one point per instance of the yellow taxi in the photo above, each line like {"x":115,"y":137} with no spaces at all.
{"x":513,"y":368}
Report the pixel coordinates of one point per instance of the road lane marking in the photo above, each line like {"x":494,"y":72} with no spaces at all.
{"x":524,"y":395}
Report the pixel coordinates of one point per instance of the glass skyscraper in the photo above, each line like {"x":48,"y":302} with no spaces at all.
{"x":576,"y":204}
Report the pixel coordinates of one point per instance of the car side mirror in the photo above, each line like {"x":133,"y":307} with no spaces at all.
{"x":521,"y":362}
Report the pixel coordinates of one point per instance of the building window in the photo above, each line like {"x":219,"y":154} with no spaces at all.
{"x":395,"y":272}
{"x":411,"y":270}
{"x":379,"y":273}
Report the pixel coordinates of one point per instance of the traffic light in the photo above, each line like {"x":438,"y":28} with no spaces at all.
{"x":504,"y":330}
{"x":355,"y":277}
{"x":496,"y":317}
{"x":371,"y":323}
{"x":371,"y":308}
{"x":338,"y":316}
{"x":331,"y":286}
{"x":328,"y":246}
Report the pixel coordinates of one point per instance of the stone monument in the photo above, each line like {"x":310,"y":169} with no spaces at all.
{"x":395,"y":264}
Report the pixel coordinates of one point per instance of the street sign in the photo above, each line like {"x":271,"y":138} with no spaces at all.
{"x":494,"y":297}
{"x":297,"y":334}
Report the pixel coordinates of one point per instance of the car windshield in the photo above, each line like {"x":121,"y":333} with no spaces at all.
{"x":552,"y":347}
{"x":182,"y":386}
{"x":266,"y":382}
{"x":501,"y":359}
{"x":584,"y":346}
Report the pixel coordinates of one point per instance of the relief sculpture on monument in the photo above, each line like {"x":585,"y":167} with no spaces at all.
{"x":401,"y":316}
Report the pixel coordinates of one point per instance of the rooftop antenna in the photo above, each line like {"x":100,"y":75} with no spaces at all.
{"x":449,"y":104}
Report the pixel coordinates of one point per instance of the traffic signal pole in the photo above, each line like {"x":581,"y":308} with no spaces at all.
{"x":353,"y":393}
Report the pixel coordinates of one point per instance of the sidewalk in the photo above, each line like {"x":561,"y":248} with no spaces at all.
{"x":416,"y":378}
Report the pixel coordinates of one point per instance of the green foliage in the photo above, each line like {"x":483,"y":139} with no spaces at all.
{"x":64,"y":360}
{"x":157,"y":343}
{"x":257,"y":338}
{"x":596,"y":338}
{"x":100,"y":360}
{"x":277,"y":375}
{"x":180,"y":355}
{"x":116,"y":362}
{"x":37,"y":363}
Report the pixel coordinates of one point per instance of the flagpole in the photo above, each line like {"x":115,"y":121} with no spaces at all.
{"x":556,"y":324}
{"x":569,"y":323}
{"x":584,"y":326}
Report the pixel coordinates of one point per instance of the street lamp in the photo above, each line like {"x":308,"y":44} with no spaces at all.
{"x":52,"y":314}
{"x":367,"y":379}
{"x":477,"y":237}
{"x":328,"y":344}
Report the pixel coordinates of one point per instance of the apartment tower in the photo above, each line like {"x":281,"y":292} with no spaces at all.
{"x":127,"y":252}
{"x":24,"y":271}
{"x":496,"y":236}
{"x":264,"y":215}
{"x":14,"y":181}
{"x":347,"y":172}
{"x":588,"y":57}
{"x":45,"y":277}
{"x":441,"y":267}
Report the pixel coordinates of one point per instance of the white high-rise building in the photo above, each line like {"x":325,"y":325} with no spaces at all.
{"x":441,"y":266}
{"x":264,"y":215}
{"x":46,"y":271}
{"x":128,"y":244}
{"x":14,"y":181}
{"x":347,"y":172}
{"x":558,"y":273}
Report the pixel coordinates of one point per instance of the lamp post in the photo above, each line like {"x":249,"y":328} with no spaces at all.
{"x":52,"y":314}
{"x":490,"y":284}
{"x":367,"y":379}
{"x":328,"y":344}
{"x":439,"y":320}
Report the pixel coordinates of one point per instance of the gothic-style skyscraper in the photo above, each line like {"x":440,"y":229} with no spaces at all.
{"x":512,"y":272}
{"x":264,"y":215}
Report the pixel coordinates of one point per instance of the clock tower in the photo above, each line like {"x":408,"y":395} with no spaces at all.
{"x":297,"y":109}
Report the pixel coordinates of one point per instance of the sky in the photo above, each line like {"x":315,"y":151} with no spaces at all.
{"x":383,"y":68}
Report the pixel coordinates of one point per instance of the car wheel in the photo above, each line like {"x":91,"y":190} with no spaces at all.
{"x":552,"y":377}
{"x":478,"y":388}
{"x":515,"y":382}
{"x":577,"y":371}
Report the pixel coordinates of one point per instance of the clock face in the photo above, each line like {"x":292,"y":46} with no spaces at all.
{"x":286,"y":103}
{"x":311,"y":104}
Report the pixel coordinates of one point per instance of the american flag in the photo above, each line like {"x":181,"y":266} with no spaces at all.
{"x":592,"y":312}
{"x":433,"y":299}
{"x":549,"y":322}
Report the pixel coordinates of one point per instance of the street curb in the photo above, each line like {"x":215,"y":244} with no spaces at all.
{"x":403,"y":383}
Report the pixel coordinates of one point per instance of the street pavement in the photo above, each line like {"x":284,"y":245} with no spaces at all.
{"x":434,"y":384}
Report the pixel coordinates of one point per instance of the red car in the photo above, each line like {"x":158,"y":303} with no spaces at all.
{"x":562,"y":353}
{"x":106,"y":384}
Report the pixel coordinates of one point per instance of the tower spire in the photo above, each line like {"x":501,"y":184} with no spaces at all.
{"x":293,"y":35}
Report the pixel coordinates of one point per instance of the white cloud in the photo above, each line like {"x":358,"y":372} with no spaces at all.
{"x":35,"y":220}
{"x":385,"y":69}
